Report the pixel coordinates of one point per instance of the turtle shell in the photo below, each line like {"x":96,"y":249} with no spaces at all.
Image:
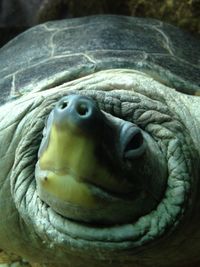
{"x":59,"y":51}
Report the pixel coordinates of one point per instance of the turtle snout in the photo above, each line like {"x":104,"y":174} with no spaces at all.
{"x":80,"y":111}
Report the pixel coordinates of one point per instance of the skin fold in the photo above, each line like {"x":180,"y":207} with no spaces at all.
{"x":32,"y":223}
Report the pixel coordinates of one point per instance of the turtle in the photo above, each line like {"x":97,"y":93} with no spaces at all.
{"x":100,"y":145}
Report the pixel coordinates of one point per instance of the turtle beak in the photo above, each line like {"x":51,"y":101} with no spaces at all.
{"x":67,"y":153}
{"x":71,"y":136}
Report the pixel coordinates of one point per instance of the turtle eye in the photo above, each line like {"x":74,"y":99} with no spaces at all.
{"x":135,"y":146}
{"x":132,"y":142}
{"x":135,"y":142}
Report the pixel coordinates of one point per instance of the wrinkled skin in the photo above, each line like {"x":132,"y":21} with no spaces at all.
{"x":45,"y":232}
{"x":156,"y":220}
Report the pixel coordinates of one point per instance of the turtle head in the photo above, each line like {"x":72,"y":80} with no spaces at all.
{"x":90,"y":164}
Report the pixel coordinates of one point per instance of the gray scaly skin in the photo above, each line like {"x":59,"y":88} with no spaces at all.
{"x":168,"y":234}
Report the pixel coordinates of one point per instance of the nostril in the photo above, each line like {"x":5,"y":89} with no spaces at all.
{"x":78,"y":113}
{"x":63,"y":104}
{"x":82,"y":109}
